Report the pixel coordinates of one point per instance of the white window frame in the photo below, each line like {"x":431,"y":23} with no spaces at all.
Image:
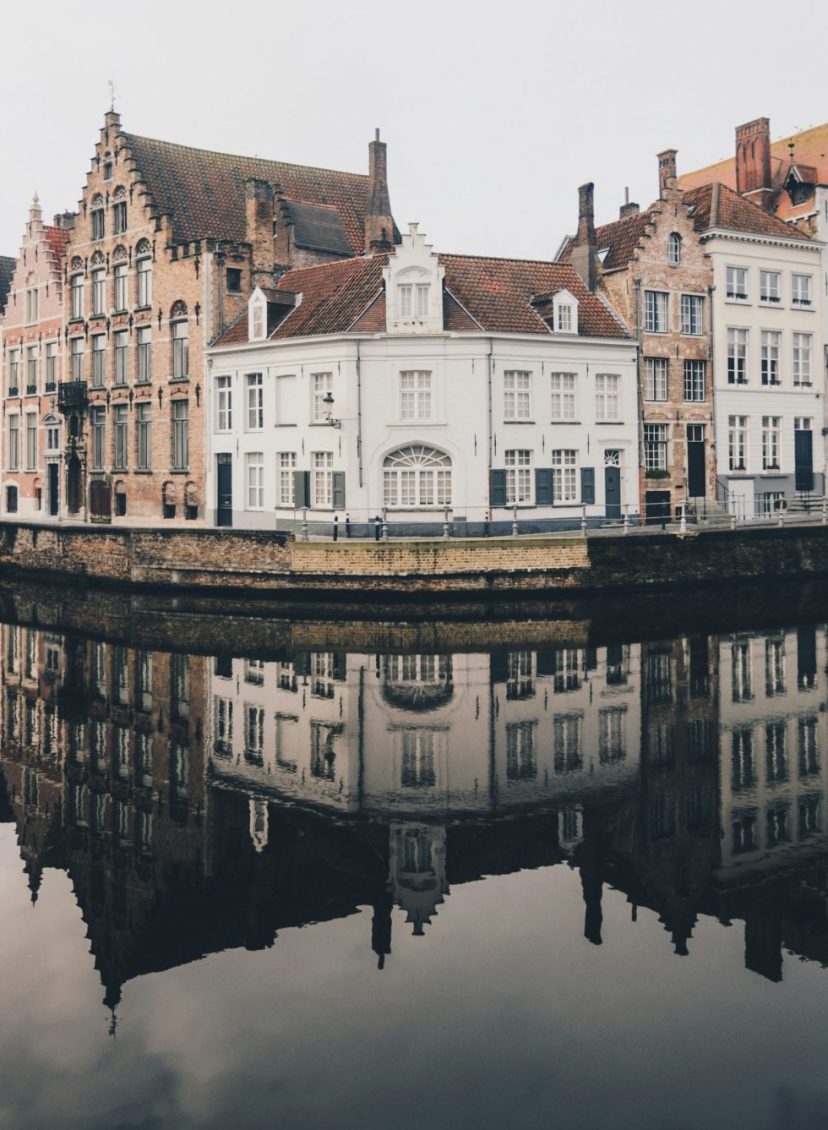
{"x":322,"y":479}
{"x":770,"y":348}
{"x":416,"y":395}
{"x":656,"y":311}
{"x":770,"y":287}
{"x":607,"y":396}
{"x":417,"y":477}
{"x":254,"y":479}
{"x":519,"y":477}
{"x":737,"y":347}
{"x":563,"y":405}
{"x":656,"y":378}
{"x":321,"y":385}
{"x":120,"y":286}
{"x":771,"y":441}
{"x":802,"y":355}
{"x":76,"y":296}
{"x":692,"y":315}
{"x":224,"y":403}
{"x":143,"y":281}
{"x":695,"y":379}
{"x":98,"y":360}
{"x":800,"y":290}
{"x":564,"y":464}
{"x":737,"y":443}
{"x":120,"y":341}
{"x":656,"y":446}
{"x":98,"y":291}
{"x":254,"y":401}
{"x":736,"y":284}
{"x":517,"y":394}
{"x":674,"y":249}
{"x":31,"y":441}
{"x":32,"y":305}
{"x":143,"y":355}
{"x":286,"y":480}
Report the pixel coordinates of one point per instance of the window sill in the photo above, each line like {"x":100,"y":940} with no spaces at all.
{"x":78,"y":321}
{"x":564,"y":423}
{"x":285,"y":425}
{"x":416,"y":424}
{"x":119,"y":313}
{"x":97,"y":316}
{"x":180,"y":471}
{"x":178,"y":380}
{"x":731,"y":300}
{"x":143,"y":384}
{"x":608,"y":423}
{"x":142,"y":471}
{"x":143,"y":310}
{"x":687,"y":333}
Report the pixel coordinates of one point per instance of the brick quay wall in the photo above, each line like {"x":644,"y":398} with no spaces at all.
{"x":258,"y":562}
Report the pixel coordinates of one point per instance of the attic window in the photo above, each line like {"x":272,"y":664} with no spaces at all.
{"x":257,"y":318}
{"x":107,"y":170}
{"x":564,"y":313}
{"x":674,"y":249}
{"x":234,"y":280}
{"x":602,"y":254}
{"x":563,"y":319}
{"x":414,"y":300}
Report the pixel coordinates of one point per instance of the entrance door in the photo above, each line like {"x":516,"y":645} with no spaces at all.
{"x":695,"y":461}
{"x":657,"y":506}
{"x":53,"y":486}
{"x":224,"y":490}
{"x":803,"y":455}
{"x":612,"y":491}
{"x":73,"y":484}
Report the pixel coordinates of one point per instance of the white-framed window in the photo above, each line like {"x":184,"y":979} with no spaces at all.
{"x":224,"y":403}
{"x":51,"y":365}
{"x":13,"y":447}
{"x":769,"y":357}
{"x":254,"y":475}
{"x":802,"y":352}
{"x":769,"y":501}
{"x":322,"y":478}
{"x":801,"y":290}
{"x":416,"y":476}
{"x":144,"y":279}
{"x":771,"y":428}
{"x":692,"y":315}
{"x":415,"y":395}
{"x":143,"y":354}
{"x":52,"y":436}
{"x":32,"y":306}
{"x":120,"y":418}
{"x":517,"y":395}
{"x":257,"y":318}
{"x":180,"y":434}
{"x":655,"y":447}
{"x":674,"y":249}
{"x":181,"y":350}
{"x":736,"y":283}
{"x":564,"y":475}
{"x":737,"y":356}
{"x":769,"y":286}
{"x":98,"y":360}
{"x":286,"y":466}
{"x":737,"y":432}
{"x":655,"y":311}
{"x":76,"y":349}
{"x":255,"y":402}
{"x":14,"y":371}
{"x":321,"y":386}
{"x":563,"y":396}
{"x":607,"y":396}
{"x":120,"y":281}
{"x":98,"y":423}
{"x":413,"y":300}
{"x":99,"y":291}
{"x":143,"y":426}
{"x":121,"y":339}
{"x":31,"y":441}
{"x":76,"y":293}
{"x":694,"y":380}
{"x":563,"y":318}
{"x":31,"y":369}
{"x":518,"y":477}
{"x":655,"y":378}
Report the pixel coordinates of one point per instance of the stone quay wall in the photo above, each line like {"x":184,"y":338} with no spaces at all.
{"x":261,"y":562}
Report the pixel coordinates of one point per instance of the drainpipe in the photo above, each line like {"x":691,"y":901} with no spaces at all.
{"x":713,"y":430}
{"x":489,"y":421}
{"x":359,"y":413}
{"x":639,"y":398}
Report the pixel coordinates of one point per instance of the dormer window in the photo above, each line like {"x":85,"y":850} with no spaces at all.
{"x":414,"y":300}
{"x":674,"y":249}
{"x":413,"y":287}
{"x":564,"y":313}
{"x":257,"y":317}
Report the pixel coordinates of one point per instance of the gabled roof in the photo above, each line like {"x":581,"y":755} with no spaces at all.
{"x":319,"y":226}
{"x":618,"y":239}
{"x":480,"y":295}
{"x":7,"y":265}
{"x":717,"y":206}
{"x":203,"y":192}
{"x":809,"y":148}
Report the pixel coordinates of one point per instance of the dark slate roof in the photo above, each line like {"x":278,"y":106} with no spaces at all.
{"x":7,"y":265}
{"x":319,"y":226}
{"x":486,"y":295}
{"x":203,"y":192}
{"x":717,"y":206}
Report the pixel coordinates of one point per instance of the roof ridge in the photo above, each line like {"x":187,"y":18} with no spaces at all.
{"x":503,"y":259}
{"x":336,"y":263}
{"x":243,"y":156}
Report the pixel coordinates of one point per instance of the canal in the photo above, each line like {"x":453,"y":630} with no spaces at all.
{"x":527,"y":868}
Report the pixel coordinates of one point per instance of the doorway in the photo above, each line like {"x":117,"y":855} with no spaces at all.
{"x":224,"y":490}
{"x":803,"y":455}
{"x":696,"y":486}
{"x":53,"y":486}
{"x":612,"y":484}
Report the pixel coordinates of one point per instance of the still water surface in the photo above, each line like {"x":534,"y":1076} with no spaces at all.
{"x":566,"y":880}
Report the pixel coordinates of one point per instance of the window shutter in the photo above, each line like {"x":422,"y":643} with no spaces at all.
{"x":339,"y":490}
{"x":547,"y":662}
{"x":543,"y":486}
{"x":497,"y":488}
{"x":301,"y":489}
{"x":588,"y":486}
{"x":340,"y":665}
{"x":500,"y":665}
{"x":301,"y":663}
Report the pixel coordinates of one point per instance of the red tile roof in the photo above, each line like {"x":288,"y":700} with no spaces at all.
{"x":619,"y":239}
{"x":203,"y":192}
{"x":717,"y":206}
{"x":481,"y":295}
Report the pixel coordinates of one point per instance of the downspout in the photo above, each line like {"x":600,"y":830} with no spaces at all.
{"x":639,"y":397}
{"x":359,"y":412}
{"x":489,"y":423}
{"x":713,"y":430}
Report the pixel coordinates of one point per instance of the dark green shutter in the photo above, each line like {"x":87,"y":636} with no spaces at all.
{"x":301,"y":489}
{"x":339,"y":490}
{"x":543,"y":486}
{"x":588,"y":486}
{"x":340,"y":666}
{"x":497,"y":488}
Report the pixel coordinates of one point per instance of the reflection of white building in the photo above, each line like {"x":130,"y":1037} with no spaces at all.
{"x":774,"y":736}
{"x":423,"y":385}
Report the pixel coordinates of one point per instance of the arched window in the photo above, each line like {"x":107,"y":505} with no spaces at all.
{"x":674,"y":249}
{"x":416,"y":476}
{"x":119,"y":210}
{"x":180,"y":341}
{"x":97,"y":216}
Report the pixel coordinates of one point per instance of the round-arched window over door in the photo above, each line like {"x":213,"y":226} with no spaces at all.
{"x":416,"y":476}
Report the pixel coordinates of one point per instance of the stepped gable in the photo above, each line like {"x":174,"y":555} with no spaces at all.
{"x":7,"y":266}
{"x":203,"y":192}
{"x":618,"y":239}
{"x":57,"y":239}
{"x":718,"y":206}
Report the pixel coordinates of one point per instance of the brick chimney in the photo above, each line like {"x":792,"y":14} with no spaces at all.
{"x":258,"y":204}
{"x":628,"y":208}
{"x":585,"y":252}
{"x":753,"y":162}
{"x":379,"y":223}
{"x":666,"y":170}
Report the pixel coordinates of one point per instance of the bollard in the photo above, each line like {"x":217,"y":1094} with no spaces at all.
{"x":377,"y":528}
{"x":385,"y":523}
{"x":583,"y":520}
{"x":733,"y":520}
{"x":347,"y":525}
{"x":514,"y":522}
{"x":304,"y":523}
{"x":683,"y":522}
{"x":626,"y":518}
{"x":781,"y":519}
{"x":445,"y":522}
{"x":336,"y":528}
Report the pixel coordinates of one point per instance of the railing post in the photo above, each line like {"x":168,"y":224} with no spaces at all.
{"x":781,"y":519}
{"x":445,"y":522}
{"x":733,"y":519}
{"x":514,"y":522}
{"x":683,"y":522}
{"x":626,"y":517}
{"x":385,"y":523}
{"x":304,"y":523}
{"x":583,"y":521}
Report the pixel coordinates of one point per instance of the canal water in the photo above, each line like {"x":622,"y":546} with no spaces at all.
{"x":521,"y":872}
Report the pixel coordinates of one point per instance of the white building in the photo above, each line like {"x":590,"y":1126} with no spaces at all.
{"x":424,"y":386}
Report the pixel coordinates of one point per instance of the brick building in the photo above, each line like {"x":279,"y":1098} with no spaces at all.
{"x":167,"y":245}
{"x":31,"y":327}
{"x":653,"y":270}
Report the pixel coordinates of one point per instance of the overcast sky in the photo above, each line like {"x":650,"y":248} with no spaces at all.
{"x":494,"y":112}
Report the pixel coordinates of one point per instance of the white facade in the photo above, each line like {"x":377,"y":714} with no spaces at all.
{"x":417,"y":423}
{"x":769,"y":375}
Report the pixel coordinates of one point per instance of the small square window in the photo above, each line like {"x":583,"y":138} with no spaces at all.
{"x":234,"y":280}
